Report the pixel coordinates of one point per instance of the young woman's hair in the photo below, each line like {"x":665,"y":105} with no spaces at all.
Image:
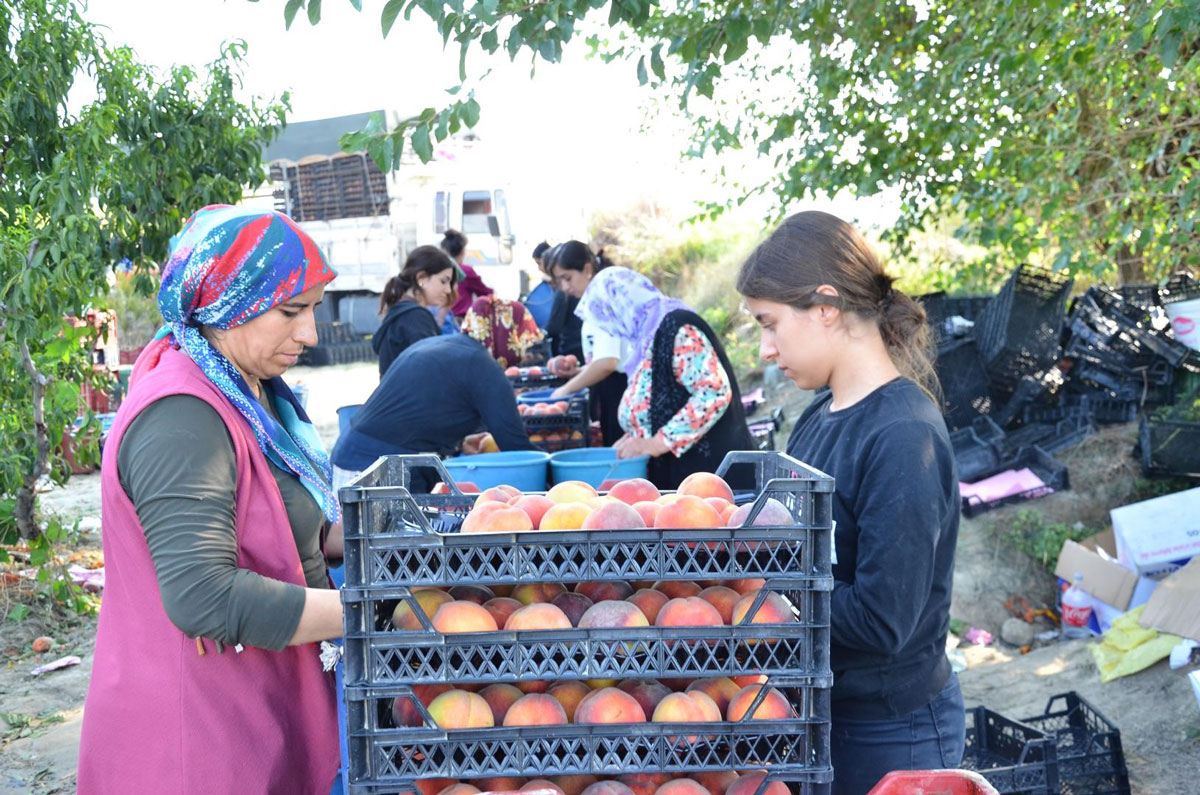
{"x":813,"y":248}
{"x":540,"y":249}
{"x":429,"y":260}
{"x":574,"y":255}
{"x":453,"y":243}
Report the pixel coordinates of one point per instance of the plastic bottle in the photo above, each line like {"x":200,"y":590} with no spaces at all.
{"x":1076,"y":611}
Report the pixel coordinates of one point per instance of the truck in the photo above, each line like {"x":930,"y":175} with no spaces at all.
{"x":367,"y":221}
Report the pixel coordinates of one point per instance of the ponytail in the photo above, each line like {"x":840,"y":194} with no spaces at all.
{"x":428,"y":260}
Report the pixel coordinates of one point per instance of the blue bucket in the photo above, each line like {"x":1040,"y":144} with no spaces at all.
{"x":543,"y":396}
{"x":594,"y":465}
{"x":345,"y":414}
{"x":521,"y":469}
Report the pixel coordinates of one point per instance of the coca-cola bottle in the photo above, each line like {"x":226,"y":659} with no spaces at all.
{"x":1076,"y":610}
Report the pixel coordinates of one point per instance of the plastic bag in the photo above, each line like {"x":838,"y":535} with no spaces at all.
{"x":1128,"y":647}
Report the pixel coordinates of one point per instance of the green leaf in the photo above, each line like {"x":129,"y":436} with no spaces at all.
{"x":314,"y":11}
{"x":490,"y":40}
{"x":1170,"y":47}
{"x":390,"y":12}
{"x":656,"y":62}
{"x":737,"y":38}
{"x":357,"y":4}
{"x":19,"y":613}
{"x":421,"y":143}
{"x":470,"y":112}
{"x":289,"y":12}
{"x":641,"y":71}
{"x":514,"y":43}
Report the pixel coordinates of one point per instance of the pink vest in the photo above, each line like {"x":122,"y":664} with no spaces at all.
{"x":161,"y":718}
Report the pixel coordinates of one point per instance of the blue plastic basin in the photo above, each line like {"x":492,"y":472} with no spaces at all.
{"x":594,"y":465}
{"x":543,"y":396}
{"x":522,"y":469}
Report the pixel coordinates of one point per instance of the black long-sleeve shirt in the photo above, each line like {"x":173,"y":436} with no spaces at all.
{"x":433,"y":395}
{"x":405,"y":323}
{"x":896,"y":506}
{"x":565,"y":328}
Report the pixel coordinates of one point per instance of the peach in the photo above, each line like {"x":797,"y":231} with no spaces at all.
{"x":749,"y":784}
{"x":774,"y":609}
{"x":634,"y":490}
{"x":608,"y":788}
{"x":428,"y":601}
{"x":455,"y":617}
{"x":574,"y":785}
{"x":499,"y":698}
{"x":745,"y":586}
{"x":720,"y":689}
{"x":499,"y":783}
{"x":502,"y":590}
{"x":571,"y":491}
{"x":687,"y":512}
{"x":749,"y":679}
{"x":458,"y":709}
{"x":716,"y":781}
{"x":708,"y":708}
{"x":644,"y":783}
{"x":705,"y":484}
{"x":573,"y":604}
{"x":534,"y":686}
{"x":569,"y":694}
{"x":691,"y":611}
{"x":504,"y":519}
{"x":604,"y":591}
{"x":565,"y":516}
{"x":497,"y":494}
{"x":727,"y":513}
{"x":681,"y":786}
{"x":472,"y":593}
{"x":534,"y":372}
{"x":677,"y":589}
{"x":539,"y":615}
{"x":648,"y":511}
{"x":668,"y":499}
{"x":609,"y":705}
{"x":531,"y":592}
{"x":649,"y":602}
{"x":613,"y":614}
{"x":614,"y":515}
{"x":774,"y":705}
{"x":460,"y":789}
{"x":542,"y":786}
{"x":535,"y":506}
{"x":648,"y":692}
{"x":723,"y":599}
{"x":719,"y":504}
{"x":774,"y":514}
{"x":403,"y":711}
{"x":679,"y":708}
{"x":501,"y":608}
{"x":600,"y":684}
{"x":536,"y":709}
{"x":433,"y":786}
{"x":512,"y":372}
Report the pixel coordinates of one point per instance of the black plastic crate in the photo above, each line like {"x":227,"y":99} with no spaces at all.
{"x":1052,"y":473}
{"x":1180,"y":287}
{"x":1091,"y":760}
{"x":1019,"y":332}
{"x":977,"y":448}
{"x":1101,"y":409}
{"x":939,"y":307}
{"x":1169,"y":447}
{"x":966,"y":389}
{"x":544,"y":380}
{"x":1015,"y":758}
{"x":394,"y":538}
{"x":763,"y":430}
{"x":378,"y":654}
{"x":563,"y":431}
{"x":1140,"y":325}
{"x":1052,"y":437}
{"x":383,"y":756}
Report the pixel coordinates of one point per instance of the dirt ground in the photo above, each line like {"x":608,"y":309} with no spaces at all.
{"x":1155,"y":709}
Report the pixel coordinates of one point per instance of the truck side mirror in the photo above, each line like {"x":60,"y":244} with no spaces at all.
{"x":493,"y":226}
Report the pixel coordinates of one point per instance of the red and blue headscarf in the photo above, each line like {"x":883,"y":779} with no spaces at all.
{"x":227,"y":266}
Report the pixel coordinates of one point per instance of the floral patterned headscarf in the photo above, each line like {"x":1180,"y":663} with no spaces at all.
{"x":505,"y":328}
{"x":626,"y":304}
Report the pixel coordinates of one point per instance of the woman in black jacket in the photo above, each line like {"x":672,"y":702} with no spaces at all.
{"x":426,"y":280}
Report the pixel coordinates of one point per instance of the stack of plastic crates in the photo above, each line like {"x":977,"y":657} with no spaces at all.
{"x":1091,"y":760}
{"x":556,"y":425}
{"x":527,"y":378}
{"x":1016,"y":758}
{"x":397,"y":542}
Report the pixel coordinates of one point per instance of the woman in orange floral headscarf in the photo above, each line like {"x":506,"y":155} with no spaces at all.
{"x":503,"y":327}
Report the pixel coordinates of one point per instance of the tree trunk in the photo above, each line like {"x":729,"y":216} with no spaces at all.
{"x":26,"y":506}
{"x":1131,"y":266}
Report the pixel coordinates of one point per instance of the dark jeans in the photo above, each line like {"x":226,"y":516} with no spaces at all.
{"x":930,"y":738}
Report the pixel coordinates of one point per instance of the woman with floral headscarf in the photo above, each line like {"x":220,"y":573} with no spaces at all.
{"x":682,"y":406}
{"x":217,"y":509}
{"x":505,"y":328}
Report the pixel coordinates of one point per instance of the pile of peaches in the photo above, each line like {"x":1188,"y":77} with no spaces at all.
{"x":712,"y":783}
{"x":703,"y":500}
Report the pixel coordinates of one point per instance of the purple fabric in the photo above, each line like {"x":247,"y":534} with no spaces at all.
{"x":626,"y":304}
{"x":469,"y":288}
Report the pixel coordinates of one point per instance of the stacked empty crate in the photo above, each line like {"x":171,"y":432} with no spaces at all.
{"x":397,"y":542}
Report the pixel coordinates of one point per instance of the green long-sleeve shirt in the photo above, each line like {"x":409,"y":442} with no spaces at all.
{"x":176,"y":463}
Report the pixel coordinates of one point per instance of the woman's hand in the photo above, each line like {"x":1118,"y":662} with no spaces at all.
{"x":633,"y":446}
{"x":473,"y":444}
{"x":559,"y":393}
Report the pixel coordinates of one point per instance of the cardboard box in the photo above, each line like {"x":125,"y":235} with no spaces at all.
{"x":1157,"y":537}
{"x":1113,"y":587}
{"x":1174,"y":606}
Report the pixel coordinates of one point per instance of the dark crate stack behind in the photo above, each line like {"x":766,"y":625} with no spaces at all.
{"x":396,"y":541}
